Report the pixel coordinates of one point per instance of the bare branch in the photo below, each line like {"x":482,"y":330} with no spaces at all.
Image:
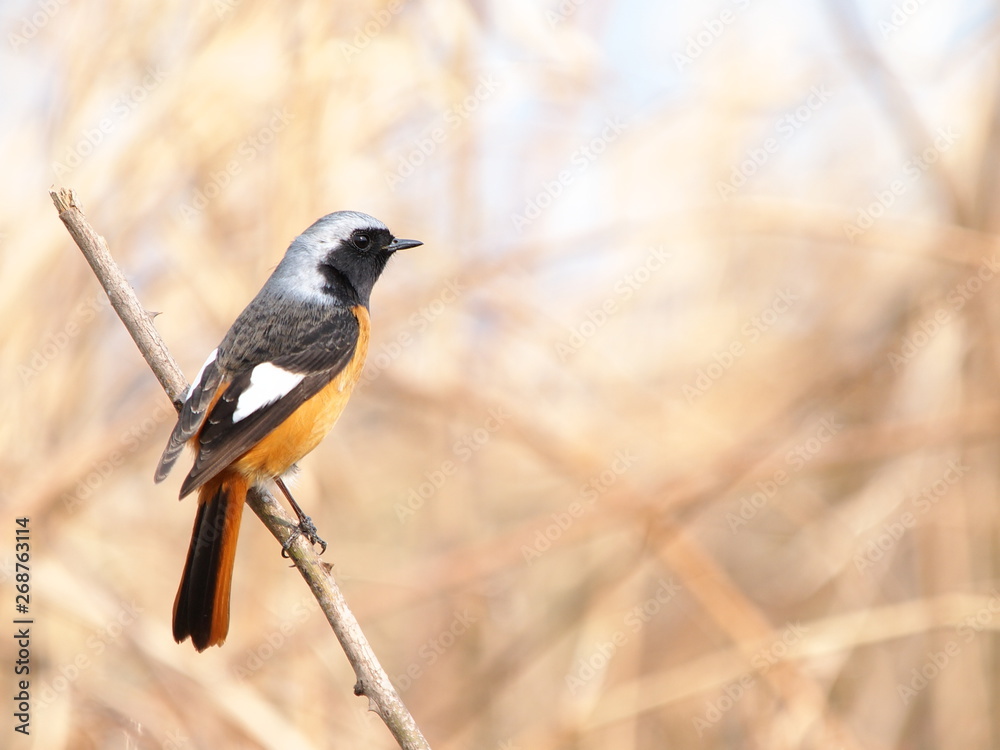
{"x":372,"y":682}
{"x":138,"y":322}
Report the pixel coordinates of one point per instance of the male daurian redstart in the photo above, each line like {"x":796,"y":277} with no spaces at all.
{"x":268,"y":395}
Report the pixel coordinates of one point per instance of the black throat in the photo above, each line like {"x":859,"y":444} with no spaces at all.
{"x":339,"y":288}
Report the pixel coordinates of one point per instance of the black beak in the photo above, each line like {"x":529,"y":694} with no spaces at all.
{"x":403,"y":245}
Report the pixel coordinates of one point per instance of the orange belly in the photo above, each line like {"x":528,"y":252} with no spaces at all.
{"x":309,"y":424}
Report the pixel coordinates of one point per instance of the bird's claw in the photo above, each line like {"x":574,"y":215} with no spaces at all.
{"x":307,"y":529}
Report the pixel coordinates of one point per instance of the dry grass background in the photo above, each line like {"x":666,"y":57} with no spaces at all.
{"x":740,"y":484}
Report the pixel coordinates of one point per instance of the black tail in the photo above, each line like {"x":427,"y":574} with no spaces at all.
{"x":201,"y":609}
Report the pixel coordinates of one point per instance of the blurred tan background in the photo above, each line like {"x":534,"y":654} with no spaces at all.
{"x":679,"y":431}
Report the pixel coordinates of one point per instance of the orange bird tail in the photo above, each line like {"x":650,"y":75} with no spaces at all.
{"x":201,"y":609}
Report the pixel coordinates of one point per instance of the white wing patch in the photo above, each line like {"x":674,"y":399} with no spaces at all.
{"x":268,"y":383}
{"x":201,"y":372}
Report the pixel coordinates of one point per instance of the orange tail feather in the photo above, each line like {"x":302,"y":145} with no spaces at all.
{"x":201,"y":609}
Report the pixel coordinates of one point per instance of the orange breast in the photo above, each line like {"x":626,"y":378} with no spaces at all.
{"x":309,"y":424}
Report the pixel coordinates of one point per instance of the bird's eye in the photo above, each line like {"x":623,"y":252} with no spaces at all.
{"x":361,"y":241}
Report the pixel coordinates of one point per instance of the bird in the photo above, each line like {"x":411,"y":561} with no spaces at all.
{"x":267,"y":395}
